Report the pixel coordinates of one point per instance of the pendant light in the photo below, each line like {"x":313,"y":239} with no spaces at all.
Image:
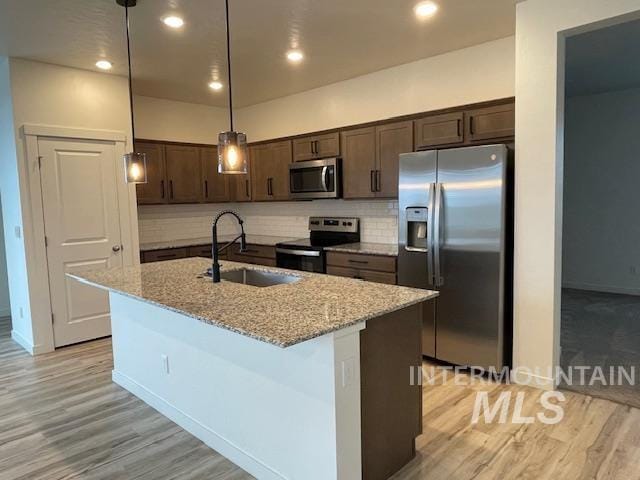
{"x":135,"y":164}
{"x":232,"y":145}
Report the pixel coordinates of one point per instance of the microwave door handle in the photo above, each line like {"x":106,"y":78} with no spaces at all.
{"x":325,"y":178}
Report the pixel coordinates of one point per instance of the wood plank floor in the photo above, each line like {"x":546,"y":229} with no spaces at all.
{"x":61,"y":417}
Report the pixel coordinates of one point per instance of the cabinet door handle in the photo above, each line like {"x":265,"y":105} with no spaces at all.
{"x":378,"y":182}
{"x":206,"y":189}
{"x":372,"y":180}
{"x":171,"y":189}
{"x":246,"y":188}
{"x":313,"y":147}
{"x":471,"y":125}
{"x":162,"y":189}
{"x":269,"y":186}
{"x":458,"y":122}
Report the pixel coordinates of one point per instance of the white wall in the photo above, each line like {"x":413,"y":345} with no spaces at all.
{"x":171,"y":222}
{"x":5,"y":306}
{"x":47,"y":95}
{"x":601,"y":232}
{"x":474,"y":74}
{"x":541,"y":26}
{"x":12,"y":212}
{"x":159,"y":119}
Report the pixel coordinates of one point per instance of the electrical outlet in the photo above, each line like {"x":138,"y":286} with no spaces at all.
{"x":348,"y":371}
{"x":165,"y":363}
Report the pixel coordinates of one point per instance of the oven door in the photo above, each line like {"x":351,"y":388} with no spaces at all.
{"x":305,"y":260}
{"x":315,"y":179}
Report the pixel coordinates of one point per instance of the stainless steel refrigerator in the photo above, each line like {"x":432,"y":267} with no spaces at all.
{"x":455,"y":236}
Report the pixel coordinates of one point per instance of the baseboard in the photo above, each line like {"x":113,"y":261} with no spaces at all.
{"x":528,"y":378}
{"x":220,"y":444}
{"x":23,"y":342}
{"x":601,"y":288}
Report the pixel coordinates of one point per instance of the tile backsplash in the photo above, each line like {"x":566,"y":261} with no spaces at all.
{"x":378,"y":219}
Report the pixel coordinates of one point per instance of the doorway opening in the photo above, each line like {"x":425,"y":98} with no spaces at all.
{"x":600,"y":329}
{"x":5,"y":308}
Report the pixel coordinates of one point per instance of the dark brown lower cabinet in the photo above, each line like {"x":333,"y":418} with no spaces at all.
{"x":391,"y":407}
{"x":254,"y":254}
{"x":162,"y":255}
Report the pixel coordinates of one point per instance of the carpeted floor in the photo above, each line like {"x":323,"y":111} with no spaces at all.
{"x":601,"y":329}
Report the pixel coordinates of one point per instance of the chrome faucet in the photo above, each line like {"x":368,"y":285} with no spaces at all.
{"x":215,"y":270}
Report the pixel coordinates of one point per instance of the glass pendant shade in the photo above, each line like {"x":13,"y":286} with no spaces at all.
{"x":135,"y":165}
{"x":232,"y":153}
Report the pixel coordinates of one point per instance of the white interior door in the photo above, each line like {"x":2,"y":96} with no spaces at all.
{"x":80,"y":205}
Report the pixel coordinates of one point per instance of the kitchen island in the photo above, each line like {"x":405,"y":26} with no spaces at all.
{"x":308,"y":379}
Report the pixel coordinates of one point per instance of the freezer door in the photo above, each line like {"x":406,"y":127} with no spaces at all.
{"x":415,"y":219}
{"x":470,"y":271}
{"x":417,"y":179}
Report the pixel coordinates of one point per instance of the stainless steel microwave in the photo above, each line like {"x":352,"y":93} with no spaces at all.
{"x":316,"y":179}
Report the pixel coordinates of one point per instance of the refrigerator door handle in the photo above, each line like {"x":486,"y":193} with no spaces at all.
{"x":438,"y":281}
{"x":430,"y":217}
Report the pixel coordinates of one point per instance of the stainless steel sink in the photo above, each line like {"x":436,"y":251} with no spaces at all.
{"x":257,"y":278}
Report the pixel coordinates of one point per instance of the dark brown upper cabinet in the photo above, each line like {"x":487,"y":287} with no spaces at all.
{"x":438,"y":130}
{"x":359,"y":163}
{"x":215,"y":185}
{"x":370,"y":159}
{"x":490,"y":123}
{"x":316,"y":146}
{"x":240,"y":184}
{"x":392,"y":139}
{"x":270,"y":171}
{"x":155,"y":190}
{"x":184,"y":174}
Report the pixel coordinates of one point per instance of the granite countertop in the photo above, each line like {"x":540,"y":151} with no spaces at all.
{"x":387,"y":249}
{"x":222,"y":239}
{"x":282,"y":315}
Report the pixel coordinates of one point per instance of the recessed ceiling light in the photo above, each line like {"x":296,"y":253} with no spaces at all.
{"x":173,"y":21}
{"x":215,"y":85}
{"x":295,"y":56}
{"x":104,"y":64}
{"x":425,"y":9}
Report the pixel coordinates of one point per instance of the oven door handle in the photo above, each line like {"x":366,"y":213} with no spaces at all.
{"x":300,"y":253}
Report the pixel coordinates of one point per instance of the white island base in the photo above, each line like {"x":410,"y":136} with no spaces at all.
{"x":278,"y":413}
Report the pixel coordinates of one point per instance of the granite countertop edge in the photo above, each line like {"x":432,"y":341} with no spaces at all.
{"x":429,"y":295}
{"x":245,"y":333}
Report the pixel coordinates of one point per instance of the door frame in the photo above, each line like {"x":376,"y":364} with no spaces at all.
{"x":41,"y":312}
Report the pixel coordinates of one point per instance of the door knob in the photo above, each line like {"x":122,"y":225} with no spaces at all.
{"x":116,"y":248}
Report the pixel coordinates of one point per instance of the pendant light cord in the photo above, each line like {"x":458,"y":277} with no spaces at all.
{"x":133,"y":128}
{"x":226,"y":9}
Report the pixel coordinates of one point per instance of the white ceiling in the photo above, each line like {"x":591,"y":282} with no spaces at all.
{"x":341,"y":39}
{"x":603,"y":60}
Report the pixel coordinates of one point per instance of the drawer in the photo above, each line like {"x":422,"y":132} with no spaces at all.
{"x":368,"y":275}
{"x":263,"y":251}
{"x":267,"y":262}
{"x":161,"y":255}
{"x":367,"y":262}
{"x":200,"y":251}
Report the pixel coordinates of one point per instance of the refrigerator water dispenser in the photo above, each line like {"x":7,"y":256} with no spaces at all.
{"x":417,"y":228}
